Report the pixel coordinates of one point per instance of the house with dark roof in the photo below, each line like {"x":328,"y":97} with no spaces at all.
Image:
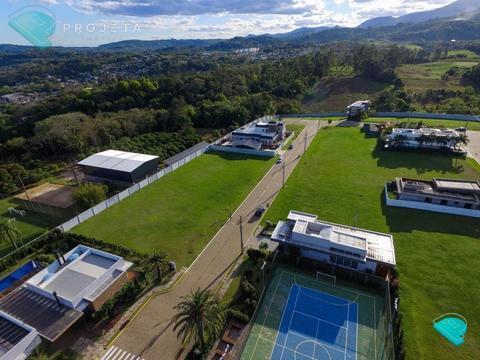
{"x":17,"y":339}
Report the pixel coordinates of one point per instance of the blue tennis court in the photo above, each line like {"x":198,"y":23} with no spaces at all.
{"x":317,"y":326}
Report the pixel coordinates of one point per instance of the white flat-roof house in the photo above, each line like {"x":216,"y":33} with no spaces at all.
{"x":259,"y":135}
{"x":339,"y":245}
{"x":79,"y":277}
{"x":55,"y":298}
{"x":358,"y":107}
{"x":425,"y":138}
{"x":17,"y":339}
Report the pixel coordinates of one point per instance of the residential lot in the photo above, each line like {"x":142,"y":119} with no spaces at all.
{"x":341,"y":178}
{"x":182,"y":211}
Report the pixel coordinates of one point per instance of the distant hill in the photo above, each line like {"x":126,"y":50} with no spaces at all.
{"x":142,"y":45}
{"x":459,"y":8}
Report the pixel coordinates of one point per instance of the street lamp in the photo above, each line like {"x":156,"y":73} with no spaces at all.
{"x":263,"y":274}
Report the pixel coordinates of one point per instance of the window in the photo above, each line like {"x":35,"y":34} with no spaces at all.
{"x":443,"y":202}
{"x":428,"y":200}
{"x":468,"y":206}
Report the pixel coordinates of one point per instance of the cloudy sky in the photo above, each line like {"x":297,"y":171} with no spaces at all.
{"x":93,"y":22}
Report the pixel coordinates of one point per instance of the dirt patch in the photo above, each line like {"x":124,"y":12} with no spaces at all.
{"x":336,"y":93}
{"x":60,"y":196}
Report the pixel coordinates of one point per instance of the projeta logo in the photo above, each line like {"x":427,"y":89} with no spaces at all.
{"x":34,"y":23}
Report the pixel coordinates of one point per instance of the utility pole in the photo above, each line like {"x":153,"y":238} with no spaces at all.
{"x":26,"y":193}
{"x":318,"y":125}
{"x":283,"y":173}
{"x":305,"y":144}
{"x":262,"y":268}
{"x":241,"y":234}
{"x":74,"y":172}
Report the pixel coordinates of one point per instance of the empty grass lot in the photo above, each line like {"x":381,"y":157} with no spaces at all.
{"x":341,"y":179}
{"x":182,"y":211}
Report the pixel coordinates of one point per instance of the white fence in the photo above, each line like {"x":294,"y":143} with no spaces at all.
{"x":405,"y":115}
{"x":430,"y":207}
{"x":97,"y":209}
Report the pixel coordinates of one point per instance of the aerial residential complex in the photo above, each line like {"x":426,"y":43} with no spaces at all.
{"x":424,"y":138}
{"x":81,"y":280}
{"x":442,"y":195}
{"x":259,"y":135}
{"x":119,"y":167}
{"x":363,"y":250}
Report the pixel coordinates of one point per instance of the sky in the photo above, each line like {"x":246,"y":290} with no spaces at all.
{"x":94,"y":22}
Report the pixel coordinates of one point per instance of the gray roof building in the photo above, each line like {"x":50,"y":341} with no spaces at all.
{"x":119,"y":166}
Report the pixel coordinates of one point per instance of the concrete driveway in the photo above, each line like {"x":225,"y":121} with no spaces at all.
{"x":473,"y":147}
{"x":150,"y":335}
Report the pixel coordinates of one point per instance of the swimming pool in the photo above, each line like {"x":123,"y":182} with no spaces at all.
{"x":16,"y":275}
{"x":452,"y":326}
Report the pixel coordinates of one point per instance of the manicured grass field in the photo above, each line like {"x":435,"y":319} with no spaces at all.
{"x":182,"y":211}
{"x":341,"y":179}
{"x":452,"y":124}
{"x":31,"y":225}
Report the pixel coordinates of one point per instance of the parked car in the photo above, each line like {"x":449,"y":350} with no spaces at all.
{"x":461,"y":129}
{"x":290,"y":147}
{"x":279,"y":160}
{"x":260,"y":211}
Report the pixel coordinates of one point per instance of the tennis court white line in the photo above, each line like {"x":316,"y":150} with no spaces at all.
{"x":303,"y":337}
{"x":319,"y":319}
{"x":266,"y":315}
{"x":348,"y":302}
{"x":357,"y":292}
{"x":291,"y":317}
{"x":346,"y":334}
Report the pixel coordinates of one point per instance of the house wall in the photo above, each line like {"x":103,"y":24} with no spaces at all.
{"x":109,"y":292}
{"x":265,"y":153}
{"x":144,"y":170}
{"x":431,"y":207}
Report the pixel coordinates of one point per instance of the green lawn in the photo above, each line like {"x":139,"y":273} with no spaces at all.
{"x":31,"y":225}
{"x":297,"y":128}
{"x":341,"y":179}
{"x":429,"y":122}
{"x":182,"y":211}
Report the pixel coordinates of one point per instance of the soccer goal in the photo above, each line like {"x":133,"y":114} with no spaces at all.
{"x":330,"y":279}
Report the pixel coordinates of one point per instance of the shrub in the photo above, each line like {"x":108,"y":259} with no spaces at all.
{"x":237,"y":315}
{"x":90,"y":194}
{"x":255,"y":254}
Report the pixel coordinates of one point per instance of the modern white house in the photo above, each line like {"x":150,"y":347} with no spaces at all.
{"x":81,"y":280}
{"x":17,"y":339}
{"x":424,"y":138}
{"x":304,"y":235}
{"x":460,"y":197}
{"x":358,"y":108}
{"x":259,"y":135}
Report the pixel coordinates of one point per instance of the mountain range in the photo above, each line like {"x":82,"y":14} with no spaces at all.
{"x":459,"y":20}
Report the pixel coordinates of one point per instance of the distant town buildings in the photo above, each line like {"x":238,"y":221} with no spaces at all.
{"x":440,"y":195}
{"x":344,"y":246}
{"x":426,"y":138}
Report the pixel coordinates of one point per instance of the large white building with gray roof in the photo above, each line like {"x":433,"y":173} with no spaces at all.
{"x":340,"y":245}
{"x":119,"y":166}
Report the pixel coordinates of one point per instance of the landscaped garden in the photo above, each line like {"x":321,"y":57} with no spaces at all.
{"x":341,"y":179}
{"x":182,"y":211}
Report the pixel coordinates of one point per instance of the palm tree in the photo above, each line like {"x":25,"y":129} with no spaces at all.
{"x":10,"y":232}
{"x":158,"y":260}
{"x":199,"y":314}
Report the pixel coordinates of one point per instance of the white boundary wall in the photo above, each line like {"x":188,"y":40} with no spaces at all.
{"x":430,"y":207}
{"x":97,"y":209}
{"x":405,"y":115}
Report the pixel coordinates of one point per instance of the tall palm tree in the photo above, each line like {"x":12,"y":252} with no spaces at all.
{"x":158,"y":261}
{"x":10,"y":232}
{"x":199,"y":314}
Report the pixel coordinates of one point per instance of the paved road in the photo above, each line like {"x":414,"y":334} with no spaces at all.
{"x":151,"y":335}
{"x":473,"y":146}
